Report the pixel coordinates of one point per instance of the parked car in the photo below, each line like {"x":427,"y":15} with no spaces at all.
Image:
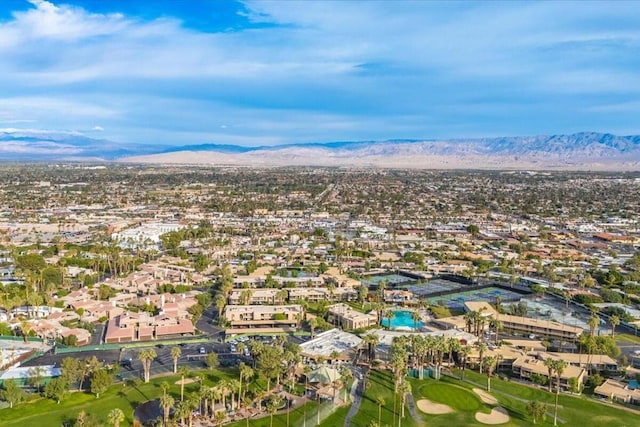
{"x":203,"y":350}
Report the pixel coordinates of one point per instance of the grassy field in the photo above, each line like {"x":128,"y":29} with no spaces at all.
{"x":379,"y":384}
{"x":41,"y":412}
{"x":573,"y":410}
{"x":628,"y":338}
{"x":280,"y":420}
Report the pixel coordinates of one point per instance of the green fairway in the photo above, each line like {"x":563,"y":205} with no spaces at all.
{"x":456,"y":397}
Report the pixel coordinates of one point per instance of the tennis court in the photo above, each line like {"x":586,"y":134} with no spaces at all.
{"x":434,"y":286}
{"x":456,"y":300}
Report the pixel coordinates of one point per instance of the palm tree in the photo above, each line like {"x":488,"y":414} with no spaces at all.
{"x":115,"y":417}
{"x":390,"y":315}
{"x":490,"y":362}
{"x":275,"y":401}
{"x":184,"y":371}
{"x":593,"y":322}
{"x":469,"y":319}
{"x":482,"y":347}
{"x":246,"y":373}
{"x":496,"y":325}
{"x":464,"y":354}
{"x":371,"y":341}
{"x":380,"y":401}
{"x":405,"y":388}
{"x":559,"y":368}
{"x":346,"y":375}
{"x":166,"y":403}
{"x":234,"y":387}
{"x":175,"y":355}
{"x":537,"y":410}
{"x":313,"y":324}
{"x":146,"y":356}
{"x":550,"y":364}
{"x":416,"y":317}
{"x":183,"y":411}
{"x":614,"y":321}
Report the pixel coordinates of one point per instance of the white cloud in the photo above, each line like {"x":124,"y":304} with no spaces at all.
{"x":325,"y":70}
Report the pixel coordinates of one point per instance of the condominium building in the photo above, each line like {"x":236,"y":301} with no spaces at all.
{"x":263,"y":316}
{"x":348,"y":318}
{"x":527,"y":365}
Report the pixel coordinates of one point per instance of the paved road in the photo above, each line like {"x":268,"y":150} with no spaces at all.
{"x":207,"y":323}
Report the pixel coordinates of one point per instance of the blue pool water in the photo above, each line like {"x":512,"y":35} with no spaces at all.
{"x":633,"y":384}
{"x":402,"y":319}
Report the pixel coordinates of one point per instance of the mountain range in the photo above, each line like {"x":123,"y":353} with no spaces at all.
{"x":579,"y":151}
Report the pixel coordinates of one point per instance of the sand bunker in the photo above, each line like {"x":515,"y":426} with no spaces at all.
{"x":432,"y":408}
{"x":497,"y":416}
{"x":186,"y":381}
{"x":485,"y":397}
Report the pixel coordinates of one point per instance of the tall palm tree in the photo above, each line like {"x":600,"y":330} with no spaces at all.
{"x":482,"y":347}
{"x":175,"y":355}
{"x":246,"y":373}
{"x":146,"y":356}
{"x":497,"y":326}
{"x":593,"y":322}
{"x":550,"y":364}
{"x":464,"y":354}
{"x":559,"y":368}
{"x":346,"y":374}
{"x":184,"y":371}
{"x":115,"y":417}
{"x":234,"y":387}
{"x":614,"y":321}
{"x":490,"y":362}
{"x":390,"y":315}
{"x":166,"y":403}
{"x":371,"y":341}
{"x":405,"y":388}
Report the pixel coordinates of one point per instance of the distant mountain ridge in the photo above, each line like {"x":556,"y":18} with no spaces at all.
{"x":583,"y":150}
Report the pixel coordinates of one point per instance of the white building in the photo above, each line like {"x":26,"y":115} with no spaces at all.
{"x":144,"y":235}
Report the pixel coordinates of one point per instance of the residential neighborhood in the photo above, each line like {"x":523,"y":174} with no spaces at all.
{"x":442,"y":283}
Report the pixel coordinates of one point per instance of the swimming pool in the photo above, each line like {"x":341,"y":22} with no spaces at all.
{"x":402,"y":319}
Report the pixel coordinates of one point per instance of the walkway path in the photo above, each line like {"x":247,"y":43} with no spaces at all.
{"x":411,"y":404}
{"x":357,"y":391}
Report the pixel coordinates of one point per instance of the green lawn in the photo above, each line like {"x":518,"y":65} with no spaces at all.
{"x":574,"y":410}
{"x":280,"y":420}
{"x":628,"y":338}
{"x":41,"y":412}
{"x":379,"y":384}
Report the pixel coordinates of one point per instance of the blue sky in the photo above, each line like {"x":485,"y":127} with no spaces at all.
{"x":263,"y":73}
